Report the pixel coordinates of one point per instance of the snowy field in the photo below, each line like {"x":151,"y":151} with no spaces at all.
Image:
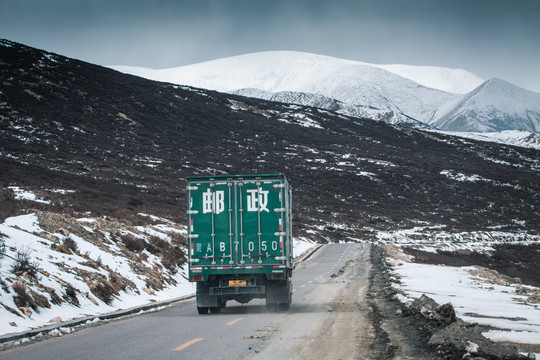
{"x":56,"y":269}
{"x":475,"y":297}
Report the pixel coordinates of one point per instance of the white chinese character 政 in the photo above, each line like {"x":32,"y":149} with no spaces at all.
{"x":257,"y":200}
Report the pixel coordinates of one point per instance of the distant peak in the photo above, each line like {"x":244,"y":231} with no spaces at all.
{"x":496,"y":84}
{"x":497,"y":81}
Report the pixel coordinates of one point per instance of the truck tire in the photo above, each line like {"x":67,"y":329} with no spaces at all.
{"x":215,"y":309}
{"x":202,"y":310}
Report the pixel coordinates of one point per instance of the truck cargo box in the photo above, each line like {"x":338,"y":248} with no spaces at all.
{"x":239,"y":239}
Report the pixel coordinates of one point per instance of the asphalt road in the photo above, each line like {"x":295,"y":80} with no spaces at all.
{"x":326,"y":320}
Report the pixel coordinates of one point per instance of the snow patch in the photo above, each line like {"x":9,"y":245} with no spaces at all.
{"x":21,"y":194}
{"x":502,"y":307}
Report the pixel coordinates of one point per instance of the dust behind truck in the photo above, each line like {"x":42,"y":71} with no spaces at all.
{"x":240,"y":240}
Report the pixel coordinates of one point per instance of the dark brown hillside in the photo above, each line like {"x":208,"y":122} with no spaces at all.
{"x":126,"y":145}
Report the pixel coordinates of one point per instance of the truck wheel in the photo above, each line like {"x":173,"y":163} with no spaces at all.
{"x":215,"y":310}
{"x":202,"y":309}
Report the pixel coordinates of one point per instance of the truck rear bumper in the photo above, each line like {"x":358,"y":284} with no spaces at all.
{"x":234,"y":290}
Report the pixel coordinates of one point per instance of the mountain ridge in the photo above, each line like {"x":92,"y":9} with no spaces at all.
{"x":400,"y":93}
{"x":457,"y":81}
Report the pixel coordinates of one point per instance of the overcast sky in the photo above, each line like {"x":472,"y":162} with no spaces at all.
{"x":491,"y":38}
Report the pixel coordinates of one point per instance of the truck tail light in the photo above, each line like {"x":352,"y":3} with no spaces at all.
{"x":197,"y":277}
{"x":277,"y":276}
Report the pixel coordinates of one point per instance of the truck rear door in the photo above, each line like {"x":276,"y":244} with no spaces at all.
{"x":236,"y":222}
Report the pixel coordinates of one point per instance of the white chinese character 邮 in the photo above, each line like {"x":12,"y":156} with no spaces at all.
{"x":213,"y":201}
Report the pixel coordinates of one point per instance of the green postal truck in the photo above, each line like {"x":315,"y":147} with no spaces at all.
{"x":240,"y":239}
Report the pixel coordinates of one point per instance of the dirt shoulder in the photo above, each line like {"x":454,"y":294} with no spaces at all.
{"x":347,"y":332}
{"x":364,"y":321}
{"x":398,"y":336}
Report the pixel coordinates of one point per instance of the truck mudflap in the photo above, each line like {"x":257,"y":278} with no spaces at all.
{"x":204,"y":299}
{"x":206,"y":302}
{"x":279,"y":294}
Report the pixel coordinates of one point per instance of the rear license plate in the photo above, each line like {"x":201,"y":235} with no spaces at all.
{"x":237,"y":283}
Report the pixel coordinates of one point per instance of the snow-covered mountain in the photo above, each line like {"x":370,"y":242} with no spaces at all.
{"x":411,"y":95}
{"x":391,"y":93}
{"x":291,"y":71}
{"x":496,"y":105}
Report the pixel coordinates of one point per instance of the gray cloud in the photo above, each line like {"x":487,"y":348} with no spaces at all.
{"x":492,"y":38}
